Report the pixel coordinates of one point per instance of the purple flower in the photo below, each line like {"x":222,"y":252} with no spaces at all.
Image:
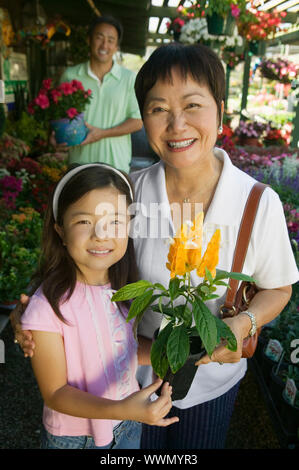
{"x":11,"y":182}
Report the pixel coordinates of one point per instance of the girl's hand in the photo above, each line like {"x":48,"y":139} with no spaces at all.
{"x":22,"y":337}
{"x":138,"y":406}
{"x":240,"y":326}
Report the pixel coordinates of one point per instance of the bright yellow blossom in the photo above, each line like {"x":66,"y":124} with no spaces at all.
{"x":185,"y":251}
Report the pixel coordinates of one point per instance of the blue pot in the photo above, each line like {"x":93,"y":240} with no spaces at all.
{"x":71,"y":132}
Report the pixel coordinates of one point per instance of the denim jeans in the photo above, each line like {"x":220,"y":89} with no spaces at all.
{"x":126,"y":435}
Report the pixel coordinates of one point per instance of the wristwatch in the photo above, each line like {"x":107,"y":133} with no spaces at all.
{"x":253,"y":322}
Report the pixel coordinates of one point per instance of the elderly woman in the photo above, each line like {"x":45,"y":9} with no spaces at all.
{"x":180,"y":90}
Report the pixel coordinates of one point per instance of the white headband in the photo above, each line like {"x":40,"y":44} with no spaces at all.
{"x":76,"y":170}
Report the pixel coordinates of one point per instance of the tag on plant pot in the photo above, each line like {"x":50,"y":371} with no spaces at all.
{"x":273,"y":350}
{"x":290,"y":391}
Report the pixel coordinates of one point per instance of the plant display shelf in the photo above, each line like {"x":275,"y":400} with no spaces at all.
{"x":286,"y":440}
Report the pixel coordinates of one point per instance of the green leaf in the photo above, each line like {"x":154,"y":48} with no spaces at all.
{"x":174,"y":285}
{"x":159,"y":358}
{"x":140,"y":304}
{"x":224,"y":331}
{"x":204,"y":289}
{"x":163,"y":310}
{"x":183,"y":313}
{"x":206,"y":325}
{"x":178,"y":348}
{"x":239,"y":276}
{"x":159,"y":286}
{"x":209,"y":275}
{"x":130,"y":291}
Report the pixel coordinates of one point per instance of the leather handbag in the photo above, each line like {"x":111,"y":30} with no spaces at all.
{"x":238,"y":299}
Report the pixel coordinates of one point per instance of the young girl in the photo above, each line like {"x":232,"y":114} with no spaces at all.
{"x":85,"y":356}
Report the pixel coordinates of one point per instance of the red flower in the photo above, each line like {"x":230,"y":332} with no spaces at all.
{"x":42,"y":101}
{"x":66,"y":88}
{"x":77,"y":85}
{"x":55,"y":95}
{"x":47,"y":83}
{"x":72,"y":112}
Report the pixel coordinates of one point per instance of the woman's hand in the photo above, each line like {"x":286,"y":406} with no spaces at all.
{"x":138,"y":406}
{"x":240,"y":326}
{"x":22,"y":337}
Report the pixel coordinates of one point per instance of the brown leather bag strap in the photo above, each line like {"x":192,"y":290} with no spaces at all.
{"x":243,"y":239}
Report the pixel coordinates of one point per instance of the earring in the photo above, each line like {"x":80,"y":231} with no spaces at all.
{"x":220,"y":129}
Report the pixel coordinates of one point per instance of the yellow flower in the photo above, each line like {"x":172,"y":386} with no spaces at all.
{"x":185,"y":252}
{"x":211,"y":257}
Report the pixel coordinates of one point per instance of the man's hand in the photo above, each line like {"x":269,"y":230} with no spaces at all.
{"x":58,"y":147}
{"x":94,"y":134}
{"x":23,"y":337}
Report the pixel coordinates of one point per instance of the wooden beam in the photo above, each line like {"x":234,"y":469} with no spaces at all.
{"x":162,"y":12}
{"x":285,"y":38}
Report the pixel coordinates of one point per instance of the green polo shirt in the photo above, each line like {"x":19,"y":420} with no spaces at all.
{"x":113,"y":102}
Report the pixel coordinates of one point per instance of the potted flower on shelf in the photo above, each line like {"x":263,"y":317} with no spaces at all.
{"x":219,"y":11}
{"x":188,"y":329}
{"x":62,"y":107}
{"x":281,"y":70}
{"x":250,"y":132}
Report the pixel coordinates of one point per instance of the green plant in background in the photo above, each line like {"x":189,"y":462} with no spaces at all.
{"x":78,"y":48}
{"x":28,"y":129}
{"x":19,"y":252}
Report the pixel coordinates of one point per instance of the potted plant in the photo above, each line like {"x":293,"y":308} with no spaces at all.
{"x":281,"y":70}
{"x":250,"y":132}
{"x":257,"y":25}
{"x":217,"y":12}
{"x":188,"y":329}
{"x":19,"y":252}
{"x":62,"y":107}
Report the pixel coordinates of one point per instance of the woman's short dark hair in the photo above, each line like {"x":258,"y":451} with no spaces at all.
{"x":196,"y":60}
{"x":106,"y":20}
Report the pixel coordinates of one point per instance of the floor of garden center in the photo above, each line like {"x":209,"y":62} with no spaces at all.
{"x":21,"y":407}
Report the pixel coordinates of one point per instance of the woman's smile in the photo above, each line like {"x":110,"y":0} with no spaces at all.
{"x":180,"y":145}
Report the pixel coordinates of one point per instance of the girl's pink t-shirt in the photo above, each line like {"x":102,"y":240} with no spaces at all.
{"x":100,"y":351}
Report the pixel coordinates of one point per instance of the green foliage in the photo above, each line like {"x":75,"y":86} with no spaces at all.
{"x":172,"y":345}
{"x":19,"y":253}
{"x":27,"y":129}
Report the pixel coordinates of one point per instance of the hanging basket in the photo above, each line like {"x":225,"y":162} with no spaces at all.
{"x":254,"y":47}
{"x":72,"y":132}
{"x":215,"y":24}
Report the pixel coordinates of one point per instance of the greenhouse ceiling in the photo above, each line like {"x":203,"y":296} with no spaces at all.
{"x":144,"y":21}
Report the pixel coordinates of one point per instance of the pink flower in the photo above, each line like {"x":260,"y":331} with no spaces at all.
{"x":72,"y":112}
{"x":235,"y":10}
{"x":47,"y":83}
{"x":31,"y":108}
{"x":55,"y":95}
{"x":77,"y":85}
{"x":66,"y":88}
{"x":42,"y":101}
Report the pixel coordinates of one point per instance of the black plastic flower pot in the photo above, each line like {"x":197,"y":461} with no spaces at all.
{"x":215,"y":24}
{"x":182,"y":380}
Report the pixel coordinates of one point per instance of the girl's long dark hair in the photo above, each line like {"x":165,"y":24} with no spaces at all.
{"x":57,"y":271}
